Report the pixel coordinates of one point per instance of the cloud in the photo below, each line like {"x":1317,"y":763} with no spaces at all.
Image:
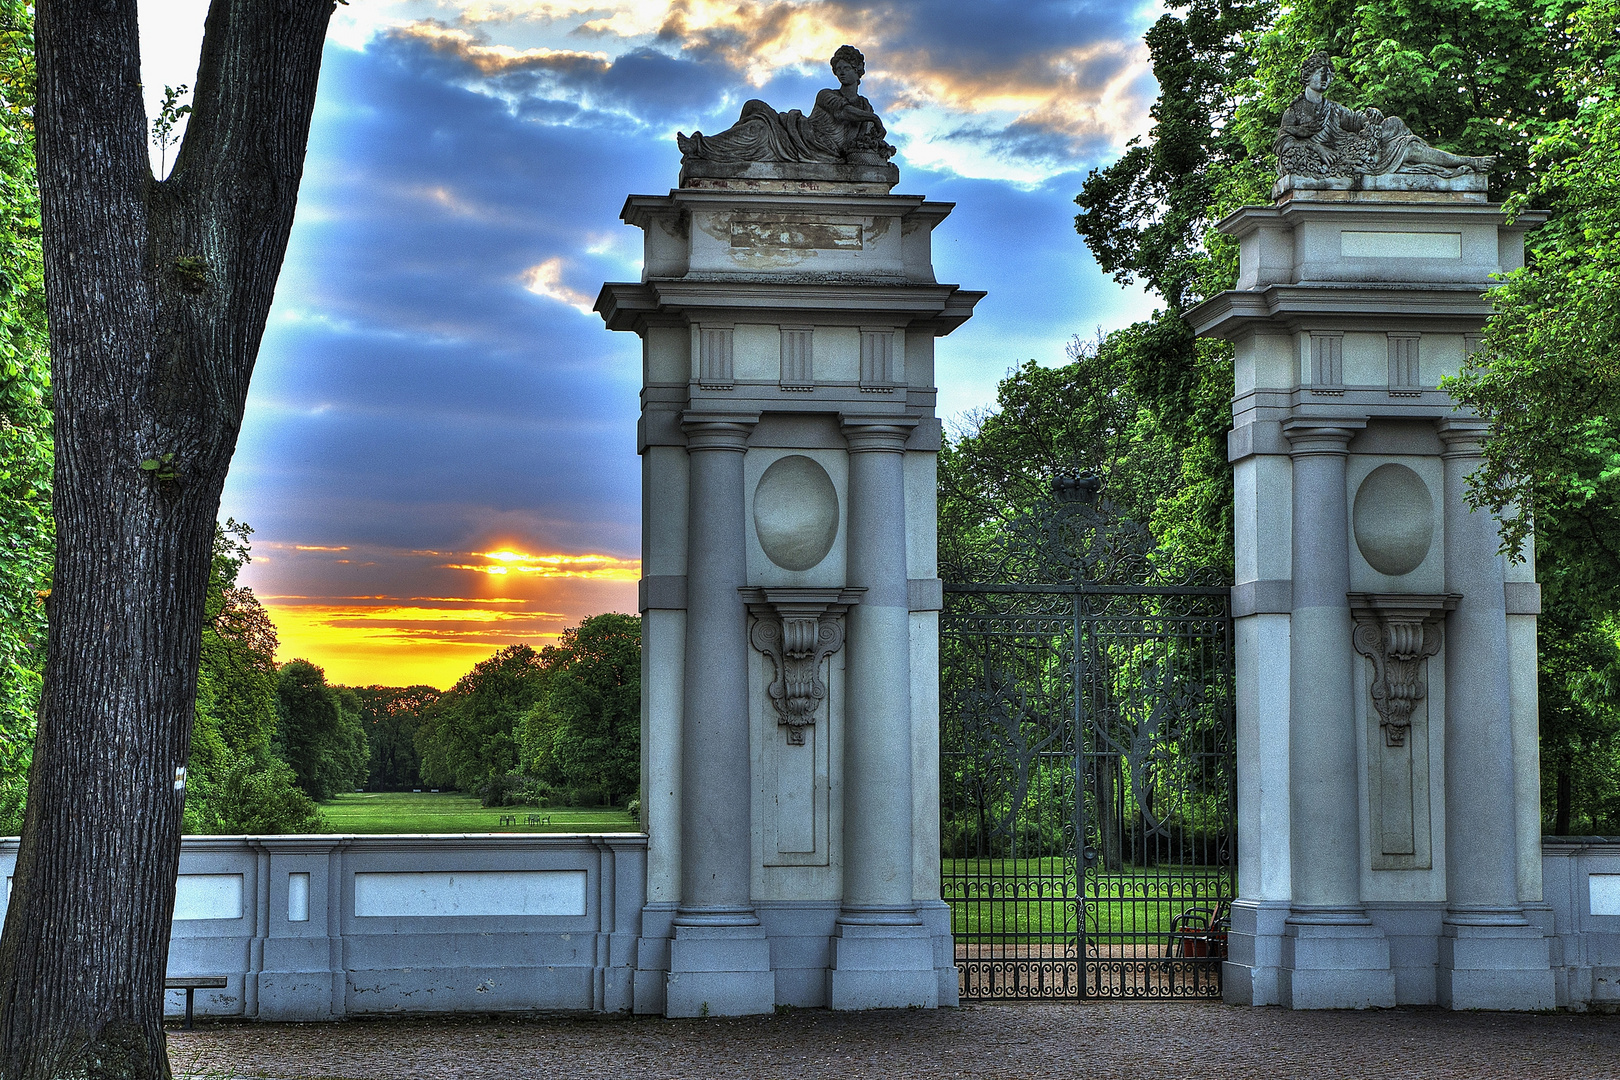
{"x":545,"y":279}
{"x":495,"y":59}
{"x":600,"y":567}
{"x":416,"y":410}
{"x":1019,"y":91}
{"x":384,"y":634}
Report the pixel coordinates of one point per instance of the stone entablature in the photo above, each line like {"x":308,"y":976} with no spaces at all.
{"x":1385,"y":240}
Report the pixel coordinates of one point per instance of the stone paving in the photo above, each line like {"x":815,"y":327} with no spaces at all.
{"x":1094,"y":1041}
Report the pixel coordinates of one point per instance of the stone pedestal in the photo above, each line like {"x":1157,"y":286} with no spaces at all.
{"x":789,"y":593}
{"x":1388,"y":856}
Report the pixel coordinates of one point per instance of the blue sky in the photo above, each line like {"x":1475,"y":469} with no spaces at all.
{"x":438,"y":456}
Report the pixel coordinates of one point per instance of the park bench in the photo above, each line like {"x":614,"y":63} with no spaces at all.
{"x":191,"y":984}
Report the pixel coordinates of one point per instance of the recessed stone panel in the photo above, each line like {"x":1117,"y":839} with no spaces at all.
{"x":1401,"y":245}
{"x":796,"y":513}
{"x":475,"y":892}
{"x":1393,"y":519}
{"x":207,"y":896}
{"x":1603,"y":891}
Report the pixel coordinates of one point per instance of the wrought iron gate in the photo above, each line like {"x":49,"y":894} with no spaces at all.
{"x":1087,"y":772}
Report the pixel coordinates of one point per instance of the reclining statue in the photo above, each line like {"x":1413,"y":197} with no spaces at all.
{"x":842,"y":129}
{"x":1321,"y":138}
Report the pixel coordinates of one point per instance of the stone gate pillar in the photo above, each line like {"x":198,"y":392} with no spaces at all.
{"x":790,"y":685}
{"x":1391,"y":854}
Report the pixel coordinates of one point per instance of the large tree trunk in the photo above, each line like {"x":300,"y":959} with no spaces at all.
{"x":157,"y":296}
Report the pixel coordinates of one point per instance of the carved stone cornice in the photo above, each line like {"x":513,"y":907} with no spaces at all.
{"x":798,"y":628}
{"x":1397,"y":632}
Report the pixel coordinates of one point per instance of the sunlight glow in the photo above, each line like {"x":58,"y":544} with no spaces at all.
{"x":402,"y":644}
{"x":600,"y":567}
{"x":545,"y":279}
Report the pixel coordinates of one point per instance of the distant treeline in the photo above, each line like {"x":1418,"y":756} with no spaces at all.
{"x":561,"y":725}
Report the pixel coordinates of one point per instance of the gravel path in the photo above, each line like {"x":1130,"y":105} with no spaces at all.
{"x":1093,"y":1041}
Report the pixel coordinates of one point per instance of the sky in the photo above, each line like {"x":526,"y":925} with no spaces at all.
{"x":438,"y":456}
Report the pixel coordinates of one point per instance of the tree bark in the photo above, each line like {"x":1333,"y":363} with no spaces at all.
{"x":157,"y":294}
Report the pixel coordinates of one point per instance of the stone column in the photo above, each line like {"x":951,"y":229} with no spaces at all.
{"x":1333,"y":957}
{"x":720,"y":959}
{"x":1491,"y":957}
{"x":882,"y":954}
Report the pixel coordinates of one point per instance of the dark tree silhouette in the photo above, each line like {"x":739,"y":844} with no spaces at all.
{"x":157,"y":294}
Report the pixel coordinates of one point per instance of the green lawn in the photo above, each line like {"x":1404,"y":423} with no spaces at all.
{"x":1039,"y":898}
{"x":451,"y":812}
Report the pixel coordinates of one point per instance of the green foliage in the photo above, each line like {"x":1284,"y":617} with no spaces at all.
{"x":585,"y":732}
{"x":1580,"y":723}
{"x":468,"y":735}
{"x":235,"y":784}
{"x":1149,"y":218}
{"x":170,"y":111}
{"x":390,"y":715}
{"x":318,"y":731}
{"x":1145,"y":217}
{"x":1547,"y":374}
{"x":1473,"y":77}
{"x":1547,"y":377}
{"x":27,"y":537}
{"x":1049,"y":422}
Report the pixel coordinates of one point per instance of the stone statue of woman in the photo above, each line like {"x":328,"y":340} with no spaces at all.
{"x":841,"y":129}
{"x":1320,"y":137}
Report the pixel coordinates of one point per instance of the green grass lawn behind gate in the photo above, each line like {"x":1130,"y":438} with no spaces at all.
{"x":452,"y":812}
{"x":1040,"y":899}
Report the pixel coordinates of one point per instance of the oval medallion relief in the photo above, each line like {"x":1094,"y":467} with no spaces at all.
{"x":796,"y":512}
{"x":1393,"y":519}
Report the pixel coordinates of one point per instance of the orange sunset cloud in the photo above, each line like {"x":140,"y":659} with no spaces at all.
{"x":381,"y":638}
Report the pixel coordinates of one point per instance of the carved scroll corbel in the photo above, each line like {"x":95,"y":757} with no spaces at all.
{"x":1397,"y":633}
{"x":798,"y":629}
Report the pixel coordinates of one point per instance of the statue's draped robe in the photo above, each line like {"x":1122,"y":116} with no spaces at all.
{"x":1356,"y":142}
{"x":763,"y":134}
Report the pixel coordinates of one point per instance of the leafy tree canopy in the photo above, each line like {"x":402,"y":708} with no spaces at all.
{"x":468,"y":735}
{"x":27,"y":538}
{"x":585,"y":731}
{"x":318,"y":731}
{"x":235,"y":783}
{"x":390,"y":715}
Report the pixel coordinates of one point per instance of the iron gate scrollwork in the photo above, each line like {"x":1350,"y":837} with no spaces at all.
{"x":1087,"y":767}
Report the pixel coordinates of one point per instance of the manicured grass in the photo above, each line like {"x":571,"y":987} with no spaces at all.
{"x":451,"y":812}
{"x":1040,"y":898}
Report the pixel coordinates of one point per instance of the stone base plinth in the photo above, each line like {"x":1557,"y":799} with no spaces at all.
{"x":882,"y":967}
{"x":1335,"y":965}
{"x":1494,"y":967}
{"x":1254,"y":943}
{"x":1469,"y":187}
{"x":727,"y":174}
{"x":719,"y":971}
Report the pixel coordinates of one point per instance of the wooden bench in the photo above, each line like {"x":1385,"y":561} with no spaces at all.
{"x":191,"y":984}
